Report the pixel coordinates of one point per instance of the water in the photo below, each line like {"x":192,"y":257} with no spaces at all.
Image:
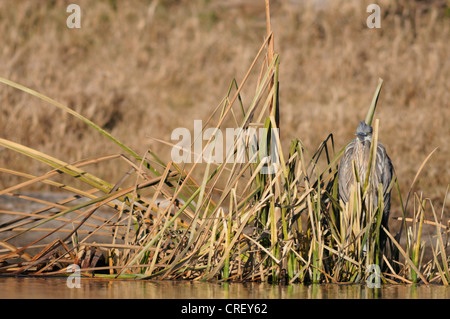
{"x":50,"y":288}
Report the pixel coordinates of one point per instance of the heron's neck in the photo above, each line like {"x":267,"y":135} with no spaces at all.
{"x":367,"y":138}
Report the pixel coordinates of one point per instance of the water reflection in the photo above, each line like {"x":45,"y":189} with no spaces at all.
{"x":12,"y":287}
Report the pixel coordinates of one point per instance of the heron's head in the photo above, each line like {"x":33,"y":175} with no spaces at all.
{"x":364,"y":131}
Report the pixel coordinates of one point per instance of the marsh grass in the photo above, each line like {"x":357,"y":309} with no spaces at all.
{"x":233,"y":224}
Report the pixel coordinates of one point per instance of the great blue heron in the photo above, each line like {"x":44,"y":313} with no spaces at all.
{"x":358,"y":152}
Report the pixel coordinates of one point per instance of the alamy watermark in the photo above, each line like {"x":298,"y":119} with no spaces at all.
{"x":74,"y":19}
{"x":373,"y":20}
{"x":235,"y":145}
{"x":374,"y":278}
{"x":74,"y":280}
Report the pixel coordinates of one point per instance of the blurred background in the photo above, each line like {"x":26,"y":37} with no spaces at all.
{"x":140,"y":69}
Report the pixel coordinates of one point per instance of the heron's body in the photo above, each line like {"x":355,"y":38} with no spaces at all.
{"x":358,"y":152}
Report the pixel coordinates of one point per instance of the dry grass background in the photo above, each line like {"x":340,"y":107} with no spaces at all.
{"x":143,"y":68}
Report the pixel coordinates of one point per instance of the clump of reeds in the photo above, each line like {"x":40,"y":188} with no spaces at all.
{"x":236,"y":223}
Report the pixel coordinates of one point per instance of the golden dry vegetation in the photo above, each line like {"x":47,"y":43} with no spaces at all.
{"x":143,"y":68}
